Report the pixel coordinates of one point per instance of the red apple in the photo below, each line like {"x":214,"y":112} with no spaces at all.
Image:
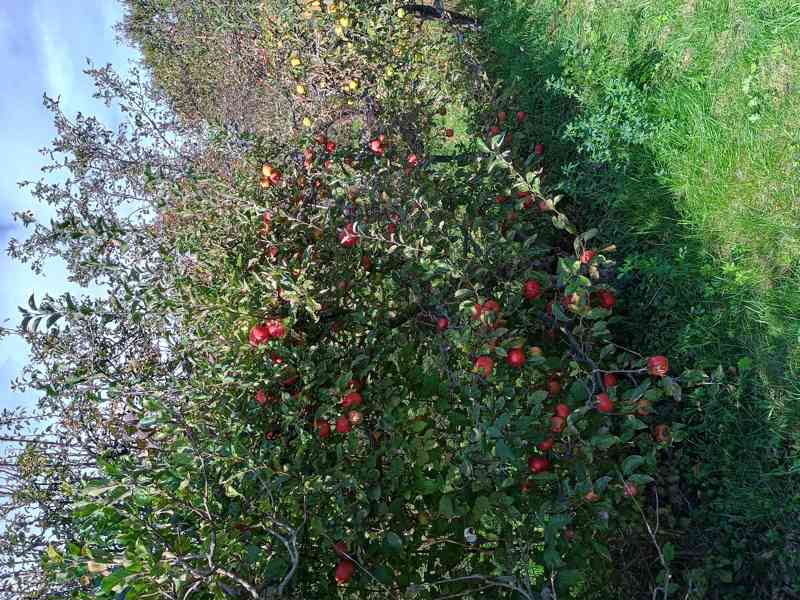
{"x":330,"y":146}
{"x":442,"y":323}
{"x":607,"y":299}
{"x":324,"y":429}
{"x":259,"y":335}
{"x":516,"y":358}
{"x":477,"y":311}
{"x":587,"y":256}
{"x":366,"y":262}
{"x":661,"y":433}
{"x":348,"y":237}
{"x":491,"y":305}
{"x":341,"y":549}
{"x":391,"y":228}
{"x":521,"y":116}
{"x":352,"y":399}
{"x":539,"y":149}
{"x":502,"y":116}
{"x":261,"y":397}
{"x":532,"y":289}
{"x":562,"y":410}
{"x":343,"y":424}
{"x":609,"y":380}
{"x":657,"y":366}
{"x":554,"y":387}
{"x":557,"y":424}
{"x":538,"y":464}
{"x":484,"y":365}
{"x":412,"y":160}
{"x":546,"y":444}
{"x":604,"y":403}
{"x":449,"y":132}
{"x":276,"y":328}
{"x":500,"y":199}
{"x":630,"y":490}
{"x":494,"y":131}
{"x":344,"y":571}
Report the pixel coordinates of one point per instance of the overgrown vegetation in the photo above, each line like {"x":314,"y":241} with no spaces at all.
{"x":389,"y":319}
{"x":673,"y":124}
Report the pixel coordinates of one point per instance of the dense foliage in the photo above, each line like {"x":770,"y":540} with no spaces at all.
{"x":348,"y":351}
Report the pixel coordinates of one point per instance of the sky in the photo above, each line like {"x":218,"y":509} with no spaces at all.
{"x":44,"y":45}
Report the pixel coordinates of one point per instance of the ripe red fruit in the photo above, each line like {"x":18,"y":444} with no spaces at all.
{"x":554,"y":387}
{"x":344,"y":571}
{"x":366,"y":262}
{"x":500,"y":199}
{"x":261,"y":397}
{"x":609,"y":380}
{"x":643,"y":407}
{"x":442,"y":323}
{"x":521,"y":116}
{"x":484,"y":365}
{"x":502,"y":116}
{"x":412,"y":160}
{"x":267,"y":218}
{"x":391,"y":228}
{"x":587,"y":256}
{"x":348,"y":237}
{"x":607,"y":299}
{"x":557,"y":424}
{"x":341,"y":549}
{"x":538,"y":464}
{"x":324,"y":429}
{"x":562,"y":410}
{"x":531,"y":289}
{"x":276,"y":329}
{"x":494,"y":131}
{"x":516,"y":358}
{"x":661,"y":433}
{"x":491,"y":306}
{"x":657,"y":366}
{"x":539,"y":149}
{"x":259,"y":335}
{"x":604,"y":403}
{"x":546,"y":445}
{"x":630,"y":490}
{"x":377,"y":147}
{"x":343,"y":424}
{"x":330,"y":146}
{"x":352,"y":399}
{"x":449,"y":132}
{"x":477,"y":311}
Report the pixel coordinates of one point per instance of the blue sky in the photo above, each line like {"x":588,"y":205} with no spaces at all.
{"x":43,"y":47}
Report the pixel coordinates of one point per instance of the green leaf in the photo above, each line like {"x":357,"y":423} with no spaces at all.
{"x":668,"y":550}
{"x":446,"y":507}
{"x":463,"y":292}
{"x":482,"y":504}
{"x":630,"y":464}
{"x":392,"y":542}
{"x":552,"y":559}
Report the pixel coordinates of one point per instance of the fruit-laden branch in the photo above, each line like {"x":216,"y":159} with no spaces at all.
{"x":422,"y":11}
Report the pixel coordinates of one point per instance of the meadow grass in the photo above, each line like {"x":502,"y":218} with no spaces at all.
{"x":675,"y":125}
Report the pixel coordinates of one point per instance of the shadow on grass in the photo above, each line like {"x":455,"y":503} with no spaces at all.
{"x":733,"y":492}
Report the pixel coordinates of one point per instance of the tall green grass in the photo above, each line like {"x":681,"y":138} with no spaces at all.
{"x":676,"y":126}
